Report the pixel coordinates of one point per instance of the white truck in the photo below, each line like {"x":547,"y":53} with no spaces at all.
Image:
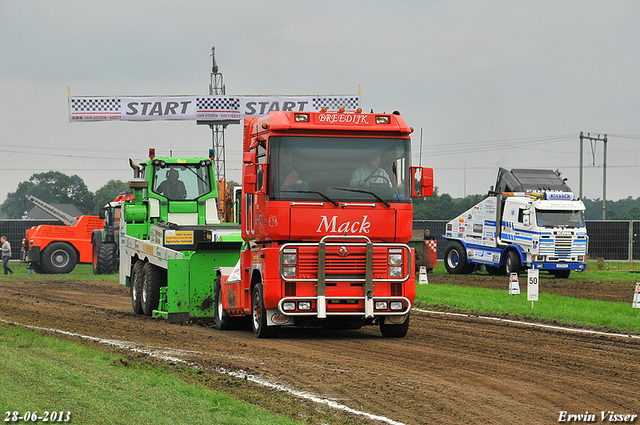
{"x":531,"y":219}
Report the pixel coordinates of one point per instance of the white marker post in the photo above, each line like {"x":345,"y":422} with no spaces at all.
{"x":533,"y":284}
{"x":636,"y":296}
{"x":423,"y":275}
{"x":514,"y":285}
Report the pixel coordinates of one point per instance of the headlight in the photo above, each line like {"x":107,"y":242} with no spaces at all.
{"x":381,"y":305}
{"x":288,"y":306}
{"x":289,"y":271}
{"x":304,"y":305}
{"x":395,"y":305}
{"x":395,"y":259}
{"x":395,"y":271}
{"x":289,"y":259}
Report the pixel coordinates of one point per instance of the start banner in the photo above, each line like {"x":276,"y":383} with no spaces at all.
{"x":205,"y":108}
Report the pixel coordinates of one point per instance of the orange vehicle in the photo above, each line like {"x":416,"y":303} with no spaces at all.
{"x":57,"y":249}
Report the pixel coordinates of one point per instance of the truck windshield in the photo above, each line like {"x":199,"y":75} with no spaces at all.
{"x":339,"y":169}
{"x":560,"y":218}
{"x":181,"y":181}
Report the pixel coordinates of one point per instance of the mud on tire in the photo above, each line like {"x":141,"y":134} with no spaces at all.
{"x":136,"y":287}
{"x":152,"y":280}
{"x":259,"y":315}
{"x":106,"y":262}
{"x":395,"y":331}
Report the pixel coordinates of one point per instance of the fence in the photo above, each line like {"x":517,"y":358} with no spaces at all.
{"x":14,"y":231}
{"x":611,"y":240}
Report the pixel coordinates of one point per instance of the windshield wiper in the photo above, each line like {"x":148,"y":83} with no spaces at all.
{"x":196,"y":174}
{"x":388,"y":205}
{"x":335,"y":204}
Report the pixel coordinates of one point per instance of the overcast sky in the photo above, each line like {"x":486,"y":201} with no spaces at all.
{"x":486,"y":84}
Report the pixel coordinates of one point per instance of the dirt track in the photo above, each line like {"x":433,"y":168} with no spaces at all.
{"x":448,"y":370}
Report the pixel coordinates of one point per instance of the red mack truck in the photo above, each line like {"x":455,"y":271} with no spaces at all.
{"x":326,"y":215}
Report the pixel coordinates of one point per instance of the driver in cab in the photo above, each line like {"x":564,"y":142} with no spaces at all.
{"x":172,"y":188}
{"x":370,"y":172}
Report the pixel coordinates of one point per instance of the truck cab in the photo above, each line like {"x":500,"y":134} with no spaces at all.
{"x":327,"y":214}
{"x":547,"y":230}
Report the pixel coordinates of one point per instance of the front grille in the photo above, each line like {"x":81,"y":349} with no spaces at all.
{"x":353,"y":264}
{"x":563,"y":246}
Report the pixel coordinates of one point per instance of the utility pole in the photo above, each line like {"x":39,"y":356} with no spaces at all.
{"x":604,"y":168}
{"x":216,"y":88}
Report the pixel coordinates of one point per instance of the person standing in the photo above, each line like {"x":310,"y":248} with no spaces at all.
{"x":6,"y":255}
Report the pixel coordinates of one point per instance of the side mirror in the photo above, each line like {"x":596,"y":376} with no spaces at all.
{"x":421,"y":182}
{"x":249,"y":157}
{"x":250,"y":177}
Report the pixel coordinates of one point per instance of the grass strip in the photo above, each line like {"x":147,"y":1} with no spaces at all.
{"x":593,"y":314}
{"x":40,"y":373}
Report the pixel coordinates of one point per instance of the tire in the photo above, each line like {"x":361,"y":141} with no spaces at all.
{"x":107,"y":263}
{"x":259,"y":315}
{"x":58,"y":258}
{"x":512,"y":263}
{"x":395,"y":331}
{"x":37,"y":268}
{"x":94,"y":257}
{"x":455,"y":259}
{"x":136,"y":287}
{"x":561,"y":274}
{"x":152,"y":281}
{"x":96,"y":243}
{"x":494,"y":271}
{"x":221,"y":319}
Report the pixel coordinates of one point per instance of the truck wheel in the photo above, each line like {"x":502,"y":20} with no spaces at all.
{"x":96,"y":243}
{"x":512,"y":263}
{"x":455,"y":259}
{"x":36,"y":267}
{"x":561,"y":274}
{"x":151,"y":284}
{"x":259,"y":315}
{"x":136,"y":287}
{"x":221,"y":319}
{"x":107,"y":263}
{"x":94,"y":257}
{"x":394,"y":331}
{"x":493,"y":270}
{"x":58,"y":258}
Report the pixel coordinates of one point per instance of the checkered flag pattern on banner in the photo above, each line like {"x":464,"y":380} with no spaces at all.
{"x":335,"y":103}
{"x":98,"y":104}
{"x":217,"y":104}
{"x":432,"y":245}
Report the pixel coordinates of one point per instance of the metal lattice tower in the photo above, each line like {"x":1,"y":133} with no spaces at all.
{"x":216,"y":88}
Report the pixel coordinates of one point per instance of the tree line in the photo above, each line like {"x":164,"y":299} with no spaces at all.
{"x":55,"y":187}
{"x":444,"y":207}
